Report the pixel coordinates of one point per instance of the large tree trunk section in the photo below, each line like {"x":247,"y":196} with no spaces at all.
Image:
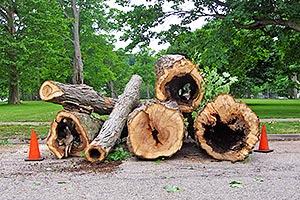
{"x":112,"y":128}
{"x":179,"y":79}
{"x":226,"y":129}
{"x":81,"y":98}
{"x":71,"y":132}
{"x":155,"y":130}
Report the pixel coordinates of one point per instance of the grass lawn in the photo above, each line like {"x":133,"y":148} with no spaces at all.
{"x":274,"y":108}
{"x":39,"y":111}
{"x":29,"y":111}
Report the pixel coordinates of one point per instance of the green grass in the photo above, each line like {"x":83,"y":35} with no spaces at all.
{"x":22,"y":131}
{"x":282,"y":127}
{"x":29,"y":111}
{"x":274,"y":108}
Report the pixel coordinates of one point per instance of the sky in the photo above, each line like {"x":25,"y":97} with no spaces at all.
{"x":173,"y":19}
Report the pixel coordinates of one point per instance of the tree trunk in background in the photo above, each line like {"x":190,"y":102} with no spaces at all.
{"x":77,"y":59}
{"x":13,"y":97}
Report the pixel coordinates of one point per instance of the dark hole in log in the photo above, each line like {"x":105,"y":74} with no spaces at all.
{"x":224,"y":137}
{"x":154,"y":134}
{"x":182,"y":89}
{"x":66,"y":133}
{"x":94,"y":154}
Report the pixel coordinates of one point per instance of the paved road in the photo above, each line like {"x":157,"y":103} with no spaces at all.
{"x":190,"y":174}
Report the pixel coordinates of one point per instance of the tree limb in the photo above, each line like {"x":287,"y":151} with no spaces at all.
{"x":258,"y":24}
{"x":62,"y":7}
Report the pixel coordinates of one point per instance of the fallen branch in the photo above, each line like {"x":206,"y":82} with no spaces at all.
{"x":112,"y":128}
{"x":80,"y":98}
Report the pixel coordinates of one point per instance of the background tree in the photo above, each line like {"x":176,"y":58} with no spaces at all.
{"x":31,"y":32}
{"x":267,"y":22}
{"x":144,"y":66}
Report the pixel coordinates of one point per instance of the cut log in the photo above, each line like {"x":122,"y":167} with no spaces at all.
{"x":179,"y":79}
{"x":155,"y":130}
{"x":112,"y":128}
{"x":80,"y":98}
{"x":71,"y":132}
{"x":226,"y":129}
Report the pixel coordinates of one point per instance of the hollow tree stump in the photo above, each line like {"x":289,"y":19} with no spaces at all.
{"x":71,"y":132}
{"x":155,"y":130}
{"x":112,"y":128}
{"x":179,"y":79}
{"x":226,"y":129}
{"x":81,"y":98}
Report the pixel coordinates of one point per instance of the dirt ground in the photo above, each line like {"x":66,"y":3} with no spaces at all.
{"x":190,"y":174}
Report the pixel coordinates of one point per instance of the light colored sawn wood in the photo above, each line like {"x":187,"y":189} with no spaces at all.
{"x":155,"y":130}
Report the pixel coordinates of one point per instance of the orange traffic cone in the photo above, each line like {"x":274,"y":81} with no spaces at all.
{"x":263,"y":144}
{"x":34,"y":152}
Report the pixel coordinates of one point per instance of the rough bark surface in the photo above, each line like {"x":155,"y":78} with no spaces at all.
{"x":155,"y":130}
{"x":179,"y":79}
{"x":226,"y":129}
{"x":112,"y":128}
{"x":71,"y":132}
{"x":81,"y":98}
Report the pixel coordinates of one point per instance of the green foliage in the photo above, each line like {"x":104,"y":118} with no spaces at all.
{"x":173,"y":188}
{"x":215,"y":83}
{"x":119,"y":153}
{"x":236,"y":184}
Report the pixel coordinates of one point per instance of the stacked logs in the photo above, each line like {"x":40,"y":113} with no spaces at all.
{"x":74,"y":128}
{"x":225,"y":128}
{"x":157,"y":129}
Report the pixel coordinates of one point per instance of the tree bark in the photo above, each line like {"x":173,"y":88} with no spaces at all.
{"x":13,"y":74}
{"x":81,"y":98}
{"x":178,"y":79}
{"x":77,"y":60}
{"x":112,"y":128}
{"x":155,"y":130}
{"x":71,"y":132}
{"x":226,"y":129}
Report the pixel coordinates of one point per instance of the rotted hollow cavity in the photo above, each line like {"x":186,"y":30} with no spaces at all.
{"x":94,"y":154}
{"x":182,"y":89}
{"x":66,"y":129}
{"x":225,"y":137}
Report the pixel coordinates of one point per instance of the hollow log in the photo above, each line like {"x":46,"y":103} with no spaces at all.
{"x":179,"y":79}
{"x":155,"y":130}
{"x":226,"y":129}
{"x":71,"y":132}
{"x":112,"y":128}
{"x":80,"y":98}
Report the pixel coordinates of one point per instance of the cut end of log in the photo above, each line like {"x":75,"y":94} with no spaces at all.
{"x":226,"y":129}
{"x":49,"y":90}
{"x":155,"y":131}
{"x":67,"y":136}
{"x":95,"y":153}
{"x":179,"y":81}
